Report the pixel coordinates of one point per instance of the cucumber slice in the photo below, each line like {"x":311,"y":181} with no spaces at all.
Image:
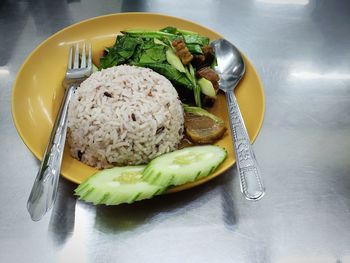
{"x":116,"y":185}
{"x":174,"y":60}
{"x":207,"y":87}
{"x":183,"y":166}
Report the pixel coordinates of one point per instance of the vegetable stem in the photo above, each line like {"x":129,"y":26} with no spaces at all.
{"x":201,"y":112}
{"x":148,"y":33}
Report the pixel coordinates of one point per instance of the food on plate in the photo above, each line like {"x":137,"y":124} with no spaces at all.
{"x":177,"y":54}
{"x":207,"y":87}
{"x":134,"y":183}
{"x":174,"y":60}
{"x":210,"y":75}
{"x":124,"y":115}
{"x":133,"y":111}
{"x":201,"y":126}
{"x":183,"y":166}
{"x":182,"y":51}
{"x":209,"y":83}
{"x":117,"y":185}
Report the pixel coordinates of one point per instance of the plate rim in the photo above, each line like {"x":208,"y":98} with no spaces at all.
{"x":172,"y":189}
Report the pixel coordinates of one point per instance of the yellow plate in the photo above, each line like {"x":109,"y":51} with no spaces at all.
{"x":37,"y":91}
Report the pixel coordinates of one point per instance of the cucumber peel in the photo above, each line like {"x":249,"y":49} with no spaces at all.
{"x":117,"y":185}
{"x":134,"y":183}
{"x":183,"y":166}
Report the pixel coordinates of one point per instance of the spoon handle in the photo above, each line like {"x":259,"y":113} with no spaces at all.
{"x":248,"y":169}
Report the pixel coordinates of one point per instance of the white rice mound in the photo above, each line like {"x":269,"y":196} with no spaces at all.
{"x":124,"y":115}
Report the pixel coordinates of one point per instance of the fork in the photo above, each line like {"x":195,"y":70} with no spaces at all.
{"x":44,"y":190}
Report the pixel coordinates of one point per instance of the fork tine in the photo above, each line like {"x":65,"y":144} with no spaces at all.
{"x":90,"y":57}
{"x":70,"y":61}
{"x":83,"y":57}
{"x":76,"y":57}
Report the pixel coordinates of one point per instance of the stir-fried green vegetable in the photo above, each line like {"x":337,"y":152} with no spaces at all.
{"x":201,"y":112}
{"x":154,"y":50}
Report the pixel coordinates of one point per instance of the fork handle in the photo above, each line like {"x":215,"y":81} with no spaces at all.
{"x":249,"y":172}
{"x":44,"y":189}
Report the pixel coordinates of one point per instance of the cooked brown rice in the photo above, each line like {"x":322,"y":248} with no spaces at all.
{"x":124,"y":115}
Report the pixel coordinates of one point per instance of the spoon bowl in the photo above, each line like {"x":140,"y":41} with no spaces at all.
{"x":230,"y":64}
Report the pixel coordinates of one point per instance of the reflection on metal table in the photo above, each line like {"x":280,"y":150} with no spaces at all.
{"x":300,"y":48}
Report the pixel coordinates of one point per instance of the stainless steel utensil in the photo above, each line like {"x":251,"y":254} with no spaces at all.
{"x":44,"y":190}
{"x":231,"y":68}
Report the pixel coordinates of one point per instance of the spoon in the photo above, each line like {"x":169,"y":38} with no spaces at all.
{"x":231,"y":68}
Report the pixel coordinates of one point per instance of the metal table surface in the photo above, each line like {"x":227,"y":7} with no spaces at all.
{"x":301,"y":50}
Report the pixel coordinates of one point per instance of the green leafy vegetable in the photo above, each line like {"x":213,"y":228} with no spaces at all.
{"x":174,"y":60}
{"x":186,"y":32}
{"x":177,"y":31}
{"x":196,"y":89}
{"x":194,"y":48}
{"x":154,"y":54}
{"x":196,"y":39}
{"x":170,"y":73}
{"x":123,"y":50}
{"x":149,"y":34}
{"x":159,"y":42}
{"x":153,"y":49}
{"x":169,"y":29}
